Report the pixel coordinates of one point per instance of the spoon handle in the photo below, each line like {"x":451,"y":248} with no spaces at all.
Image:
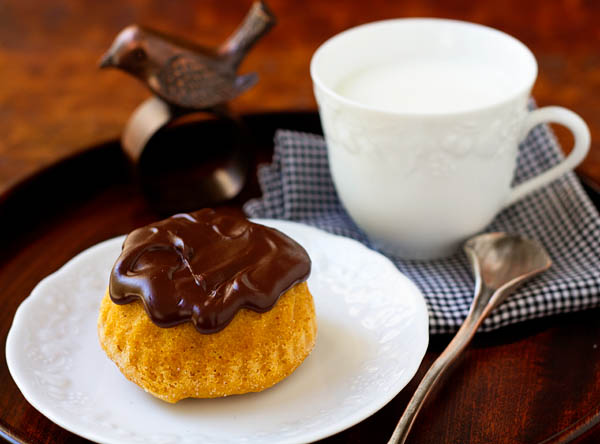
{"x":460,"y":341}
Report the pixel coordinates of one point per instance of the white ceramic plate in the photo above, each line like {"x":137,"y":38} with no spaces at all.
{"x":373,"y":333}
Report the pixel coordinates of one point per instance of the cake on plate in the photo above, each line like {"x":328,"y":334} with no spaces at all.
{"x":208,"y":304}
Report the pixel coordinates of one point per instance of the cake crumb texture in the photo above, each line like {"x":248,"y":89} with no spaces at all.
{"x":254,"y":352}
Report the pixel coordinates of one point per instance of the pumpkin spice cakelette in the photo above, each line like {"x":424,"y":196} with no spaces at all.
{"x":208,"y":304}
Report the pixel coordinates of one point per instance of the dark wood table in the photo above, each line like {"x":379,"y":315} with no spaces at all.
{"x":523,"y":383}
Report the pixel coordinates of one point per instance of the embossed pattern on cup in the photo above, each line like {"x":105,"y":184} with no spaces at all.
{"x":419,"y":183}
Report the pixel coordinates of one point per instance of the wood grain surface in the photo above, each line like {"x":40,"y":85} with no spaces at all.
{"x":54,"y":100}
{"x":521,"y":384}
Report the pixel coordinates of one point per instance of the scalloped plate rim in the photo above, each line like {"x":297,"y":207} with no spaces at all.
{"x":26,"y":387}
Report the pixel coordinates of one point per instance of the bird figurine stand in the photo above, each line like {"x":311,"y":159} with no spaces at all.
{"x":180,"y":167}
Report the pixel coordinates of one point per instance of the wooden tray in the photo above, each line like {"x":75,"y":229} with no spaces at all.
{"x":524,"y":383}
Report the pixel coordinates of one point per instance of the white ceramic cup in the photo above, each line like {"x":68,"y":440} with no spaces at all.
{"x":419,"y":183}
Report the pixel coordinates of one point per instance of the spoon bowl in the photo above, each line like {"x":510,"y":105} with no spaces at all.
{"x":502,"y":262}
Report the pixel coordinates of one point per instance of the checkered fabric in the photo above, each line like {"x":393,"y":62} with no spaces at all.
{"x":297,"y":186}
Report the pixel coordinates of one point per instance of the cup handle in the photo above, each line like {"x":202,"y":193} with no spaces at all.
{"x":581,"y":134}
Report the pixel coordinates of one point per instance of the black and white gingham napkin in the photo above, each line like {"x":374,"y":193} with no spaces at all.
{"x":297,"y":186}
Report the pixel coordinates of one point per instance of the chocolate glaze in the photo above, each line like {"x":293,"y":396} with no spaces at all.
{"x":205,"y":266}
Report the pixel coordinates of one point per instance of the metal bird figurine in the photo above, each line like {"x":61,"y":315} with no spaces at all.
{"x":184,"y":74}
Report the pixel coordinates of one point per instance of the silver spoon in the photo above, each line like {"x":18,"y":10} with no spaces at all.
{"x":500,"y":263}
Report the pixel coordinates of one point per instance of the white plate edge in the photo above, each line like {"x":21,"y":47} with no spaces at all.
{"x":358,"y":416}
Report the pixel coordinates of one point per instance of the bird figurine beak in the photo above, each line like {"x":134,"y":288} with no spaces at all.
{"x":106,"y":61}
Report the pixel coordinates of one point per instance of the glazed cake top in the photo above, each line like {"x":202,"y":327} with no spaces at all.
{"x":205,"y":266}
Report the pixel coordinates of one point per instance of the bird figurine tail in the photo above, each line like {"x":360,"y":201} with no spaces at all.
{"x":257,"y":23}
